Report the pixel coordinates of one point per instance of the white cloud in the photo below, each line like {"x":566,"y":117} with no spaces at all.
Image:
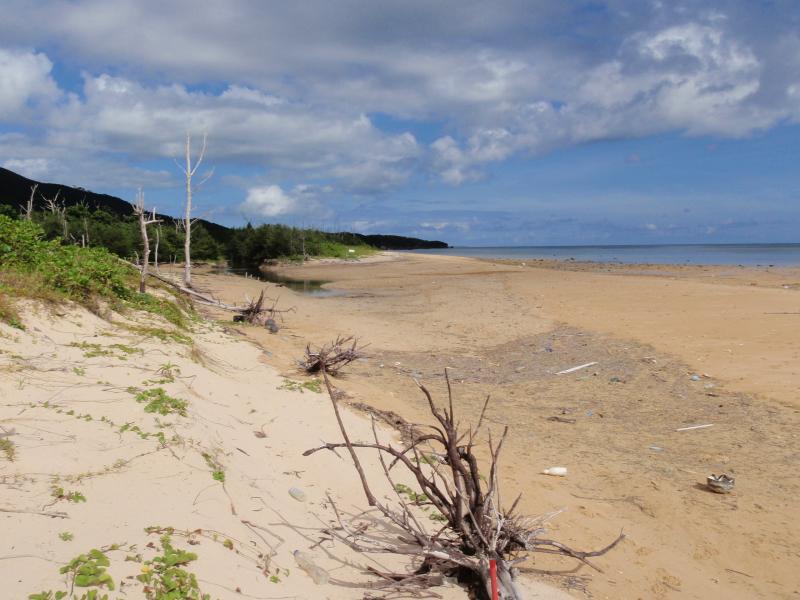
{"x":32,"y":168}
{"x":24,"y":76}
{"x":243,"y":125}
{"x":297,"y":82}
{"x":267,"y":201}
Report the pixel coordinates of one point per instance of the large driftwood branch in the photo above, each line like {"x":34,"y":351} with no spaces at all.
{"x":477,"y":529}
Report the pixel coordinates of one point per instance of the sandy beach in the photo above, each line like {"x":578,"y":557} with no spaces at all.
{"x":122,"y":434}
{"x":674,"y":347}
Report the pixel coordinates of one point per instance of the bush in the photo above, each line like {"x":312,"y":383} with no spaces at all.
{"x":79,"y":274}
{"x":33,"y":267}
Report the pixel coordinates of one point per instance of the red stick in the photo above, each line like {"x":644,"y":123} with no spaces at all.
{"x":493,"y":577}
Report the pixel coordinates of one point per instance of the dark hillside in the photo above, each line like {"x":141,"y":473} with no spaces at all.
{"x":16,"y":189}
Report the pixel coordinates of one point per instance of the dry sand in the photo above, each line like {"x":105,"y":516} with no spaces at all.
{"x":506,"y":328}
{"x":67,"y":407}
{"x":67,"y":404}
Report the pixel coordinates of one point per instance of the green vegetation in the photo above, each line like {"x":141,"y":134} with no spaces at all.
{"x":93,"y":350}
{"x":120,"y":234}
{"x":89,"y":570}
{"x":413,"y":497}
{"x":8,"y":312}
{"x":250,"y":247}
{"x":217,"y":471}
{"x":66,"y":536}
{"x":59,"y":494}
{"x":165,"y":578}
{"x":33,"y":267}
{"x":8,"y":449}
{"x":85,"y":570}
{"x":158,"y":401}
{"x":312,"y":385}
{"x":164,"y":335}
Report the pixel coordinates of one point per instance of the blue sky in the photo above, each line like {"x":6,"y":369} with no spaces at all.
{"x":514,"y":122}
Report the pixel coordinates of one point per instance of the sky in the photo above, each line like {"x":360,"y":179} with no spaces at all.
{"x":512,"y":122}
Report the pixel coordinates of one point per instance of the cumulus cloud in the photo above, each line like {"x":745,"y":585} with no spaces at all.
{"x":294,"y":86}
{"x":267,"y":201}
{"x":24,"y":77}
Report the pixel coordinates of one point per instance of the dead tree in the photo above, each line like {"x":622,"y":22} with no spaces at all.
{"x":59,"y":209}
{"x":28,"y":209}
{"x":158,"y":241}
{"x":476,"y":526}
{"x":144,"y":221}
{"x":189,"y":170}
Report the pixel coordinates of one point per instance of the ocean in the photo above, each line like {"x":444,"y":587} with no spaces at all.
{"x":694,"y":254}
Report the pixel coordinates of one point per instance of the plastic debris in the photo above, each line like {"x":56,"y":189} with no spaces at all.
{"x":297,"y":494}
{"x":556,"y":471}
{"x":306,"y":562}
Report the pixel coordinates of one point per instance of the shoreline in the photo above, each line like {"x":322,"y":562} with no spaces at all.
{"x":493,"y":323}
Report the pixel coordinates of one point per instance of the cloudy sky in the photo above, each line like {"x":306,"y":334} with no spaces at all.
{"x":480,"y":123}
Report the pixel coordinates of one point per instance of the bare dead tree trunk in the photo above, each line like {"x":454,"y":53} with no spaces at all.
{"x":59,"y":209}
{"x":158,"y":240}
{"x":189,"y":170}
{"x":144,"y":221}
{"x":29,"y":206}
{"x":85,"y":236}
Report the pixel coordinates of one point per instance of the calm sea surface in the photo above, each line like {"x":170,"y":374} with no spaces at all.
{"x":696,"y":254}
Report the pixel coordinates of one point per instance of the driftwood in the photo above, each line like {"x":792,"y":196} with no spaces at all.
{"x":476,"y":528}
{"x":330,"y":358}
{"x":256,"y":313}
{"x":251,"y":308}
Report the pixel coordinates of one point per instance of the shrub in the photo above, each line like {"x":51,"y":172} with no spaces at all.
{"x":33,"y":267}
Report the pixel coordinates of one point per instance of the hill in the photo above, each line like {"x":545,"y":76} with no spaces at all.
{"x":16,"y":189}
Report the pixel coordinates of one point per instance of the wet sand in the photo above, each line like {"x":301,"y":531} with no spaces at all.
{"x":676,"y":346}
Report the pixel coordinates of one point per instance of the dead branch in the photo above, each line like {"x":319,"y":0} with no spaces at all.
{"x":332,"y":357}
{"x":52,"y":515}
{"x":476,"y":527}
{"x":254,"y":312}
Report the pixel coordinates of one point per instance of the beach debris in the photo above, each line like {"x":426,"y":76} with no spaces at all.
{"x":721,"y":484}
{"x":691,"y":427}
{"x":256,"y":313}
{"x":474,"y":526}
{"x":656,"y":448}
{"x":562,"y":420}
{"x":297,"y":494}
{"x":578,"y":368}
{"x":331,"y":357}
{"x":695,"y":377}
{"x":555,"y":471}
{"x":306,"y":562}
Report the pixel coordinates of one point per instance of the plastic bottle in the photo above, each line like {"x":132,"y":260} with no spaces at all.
{"x":306,"y":562}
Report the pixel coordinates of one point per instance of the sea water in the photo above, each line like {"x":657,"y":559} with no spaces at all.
{"x":694,"y":254}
